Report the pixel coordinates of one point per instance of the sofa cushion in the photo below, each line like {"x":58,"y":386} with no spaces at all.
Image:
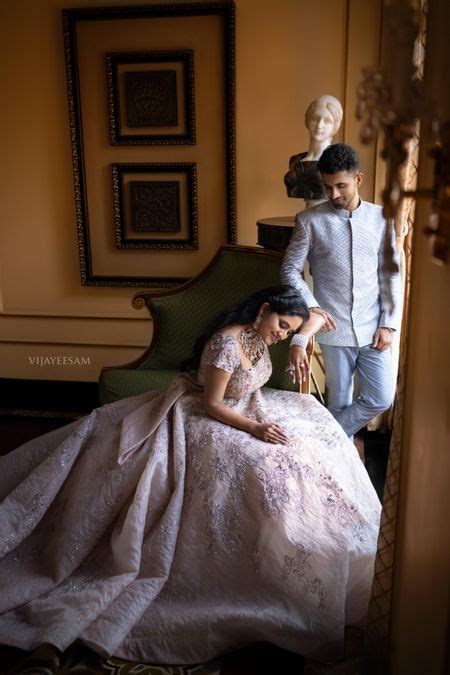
{"x":117,"y":383}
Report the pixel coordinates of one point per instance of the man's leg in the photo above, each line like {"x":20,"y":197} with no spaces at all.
{"x":376,"y":391}
{"x":340,"y":366}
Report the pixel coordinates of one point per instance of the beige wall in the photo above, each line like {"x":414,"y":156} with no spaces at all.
{"x":287,"y":53}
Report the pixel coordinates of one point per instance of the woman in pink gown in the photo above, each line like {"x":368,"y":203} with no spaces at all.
{"x":173,"y":526}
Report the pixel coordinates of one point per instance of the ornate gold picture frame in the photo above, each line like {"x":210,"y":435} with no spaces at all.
{"x":151,"y":97}
{"x":151,"y":85}
{"x":155,"y":205}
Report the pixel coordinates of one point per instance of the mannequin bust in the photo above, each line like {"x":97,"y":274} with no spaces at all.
{"x":323,"y":118}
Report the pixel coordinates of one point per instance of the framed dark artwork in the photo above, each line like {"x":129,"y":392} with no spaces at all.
{"x":151,"y":97}
{"x":162,"y":119}
{"x":155,"y":205}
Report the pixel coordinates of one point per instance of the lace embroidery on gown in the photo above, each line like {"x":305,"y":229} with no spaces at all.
{"x":221,"y":351}
{"x":153,"y":532}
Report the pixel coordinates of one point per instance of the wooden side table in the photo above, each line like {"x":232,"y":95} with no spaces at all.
{"x":274,"y":233}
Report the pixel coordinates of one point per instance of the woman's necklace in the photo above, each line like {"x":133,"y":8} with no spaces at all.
{"x":252,"y":344}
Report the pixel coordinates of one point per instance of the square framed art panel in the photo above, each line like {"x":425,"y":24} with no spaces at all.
{"x":151,"y":100}
{"x":151,"y":97}
{"x":155,"y":206}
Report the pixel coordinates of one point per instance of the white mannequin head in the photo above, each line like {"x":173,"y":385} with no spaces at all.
{"x":323,"y":118}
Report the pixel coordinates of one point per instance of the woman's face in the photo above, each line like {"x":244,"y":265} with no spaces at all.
{"x":275,"y":327}
{"x":320,"y":124}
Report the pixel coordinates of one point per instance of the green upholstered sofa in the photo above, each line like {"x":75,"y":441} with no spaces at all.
{"x":180,"y":315}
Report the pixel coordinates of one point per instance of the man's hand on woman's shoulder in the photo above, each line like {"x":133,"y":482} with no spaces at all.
{"x":328,"y":323}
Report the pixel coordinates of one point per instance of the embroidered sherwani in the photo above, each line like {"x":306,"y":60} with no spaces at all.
{"x":347,"y":257}
{"x":346,"y":253}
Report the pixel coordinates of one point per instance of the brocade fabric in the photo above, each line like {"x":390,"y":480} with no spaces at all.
{"x":348,"y":262}
{"x":153,"y":532}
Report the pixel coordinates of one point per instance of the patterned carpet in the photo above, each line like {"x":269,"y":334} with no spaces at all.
{"x":258,"y":659}
{"x":46,"y":660}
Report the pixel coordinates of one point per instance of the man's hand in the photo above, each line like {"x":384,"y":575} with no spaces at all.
{"x":330,"y":323}
{"x":382,"y":339}
{"x":298,"y":364}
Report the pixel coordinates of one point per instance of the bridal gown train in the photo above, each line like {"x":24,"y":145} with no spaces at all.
{"x":153,"y":532}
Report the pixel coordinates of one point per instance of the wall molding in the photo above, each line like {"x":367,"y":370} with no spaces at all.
{"x":28,"y":314}
{"x":76,"y":331}
{"x":79,"y":343}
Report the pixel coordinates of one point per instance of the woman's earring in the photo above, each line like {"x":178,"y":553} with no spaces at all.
{"x":258,"y":320}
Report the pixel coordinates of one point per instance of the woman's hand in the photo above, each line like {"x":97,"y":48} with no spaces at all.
{"x":270,"y":432}
{"x":216,"y":381}
{"x":298,"y":367}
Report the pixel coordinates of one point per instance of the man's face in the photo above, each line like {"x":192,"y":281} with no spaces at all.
{"x":342,"y":188}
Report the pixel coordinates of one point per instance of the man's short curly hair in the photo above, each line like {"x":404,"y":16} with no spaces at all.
{"x":338,"y":157}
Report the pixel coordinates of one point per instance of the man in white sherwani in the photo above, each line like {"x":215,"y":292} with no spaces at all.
{"x":356,"y":289}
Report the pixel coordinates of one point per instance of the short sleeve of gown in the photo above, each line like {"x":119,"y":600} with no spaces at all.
{"x":222,"y":352}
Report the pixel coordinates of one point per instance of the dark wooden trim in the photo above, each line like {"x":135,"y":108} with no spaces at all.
{"x":59,"y":396}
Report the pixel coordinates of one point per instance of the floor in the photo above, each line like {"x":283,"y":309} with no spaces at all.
{"x":20,"y":425}
{"x":257,"y":659}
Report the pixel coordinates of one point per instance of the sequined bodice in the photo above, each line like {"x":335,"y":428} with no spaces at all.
{"x":222,"y":351}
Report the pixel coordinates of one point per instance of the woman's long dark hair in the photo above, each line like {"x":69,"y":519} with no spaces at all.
{"x":281,"y":299}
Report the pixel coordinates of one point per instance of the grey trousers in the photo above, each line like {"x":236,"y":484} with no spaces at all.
{"x":376,"y":390}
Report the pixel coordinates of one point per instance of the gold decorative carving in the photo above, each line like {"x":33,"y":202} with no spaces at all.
{"x":139,"y":301}
{"x":439,"y":222}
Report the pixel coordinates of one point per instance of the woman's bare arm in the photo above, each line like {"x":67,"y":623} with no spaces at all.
{"x":215,"y":384}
